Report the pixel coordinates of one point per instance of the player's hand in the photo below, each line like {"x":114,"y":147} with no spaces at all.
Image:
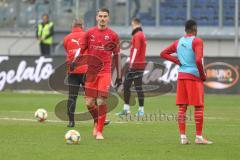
{"x":118,"y":82}
{"x":131,"y":70}
{"x":72,"y":65}
{"x":203,"y":78}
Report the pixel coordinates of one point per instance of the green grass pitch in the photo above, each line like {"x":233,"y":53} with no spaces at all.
{"x":22,"y":138}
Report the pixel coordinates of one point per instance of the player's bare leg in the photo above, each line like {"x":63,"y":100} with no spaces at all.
{"x":182,"y":124}
{"x":102,"y":108}
{"x":199,"y":115}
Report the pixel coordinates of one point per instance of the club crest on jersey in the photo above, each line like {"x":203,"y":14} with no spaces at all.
{"x":106,"y":38}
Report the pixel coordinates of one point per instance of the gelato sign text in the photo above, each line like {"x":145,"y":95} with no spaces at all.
{"x":23,"y":72}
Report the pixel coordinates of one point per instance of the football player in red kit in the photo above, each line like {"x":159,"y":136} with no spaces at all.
{"x":190,"y":89}
{"x":136,"y":68}
{"x":73,"y":43}
{"x":102,"y":43}
{"x":75,"y":47}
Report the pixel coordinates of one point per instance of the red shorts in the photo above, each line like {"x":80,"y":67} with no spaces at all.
{"x":97,"y":85}
{"x":190,"y":92}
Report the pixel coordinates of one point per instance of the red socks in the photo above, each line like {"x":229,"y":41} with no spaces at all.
{"x":94,"y":112}
{"x":99,"y":115}
{"x":182,"y":119}
{"x":102,"y":110}
{"x":198,"y":115}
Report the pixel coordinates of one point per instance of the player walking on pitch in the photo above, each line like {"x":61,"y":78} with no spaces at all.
{"x":102,"y":43}
{"x":190,"y":89}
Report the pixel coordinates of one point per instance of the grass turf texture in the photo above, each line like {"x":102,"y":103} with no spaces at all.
{"x":23,"y":138}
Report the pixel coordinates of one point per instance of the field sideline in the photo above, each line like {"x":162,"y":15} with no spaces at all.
{"x":23,"y":138}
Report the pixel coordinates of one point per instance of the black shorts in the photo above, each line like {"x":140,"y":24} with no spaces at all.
{"x":76,"y":84}
{"x":76,"y":79}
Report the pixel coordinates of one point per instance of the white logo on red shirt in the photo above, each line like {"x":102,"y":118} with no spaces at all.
{"x":76,"y":41}
{"x":106,"y":38}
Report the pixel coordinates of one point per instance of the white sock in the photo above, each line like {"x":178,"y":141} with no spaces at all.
{"x":126,"y":107}
{"x":183,"y":136}
{"x":141,"y":108}
{"x":199,"y":137}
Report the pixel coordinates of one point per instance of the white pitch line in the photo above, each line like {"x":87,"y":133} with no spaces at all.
{"x":206,"y":117}
{"x":52,"y":121}
{"x":86,"y":122}
{"x":111,"y":114}
{"x":21,"y":111}
{"x":29,"y":120}
{"x":215,"y":118}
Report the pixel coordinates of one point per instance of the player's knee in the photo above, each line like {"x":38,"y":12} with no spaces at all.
{"x":90,"y":102}
{"x":101,"y":101}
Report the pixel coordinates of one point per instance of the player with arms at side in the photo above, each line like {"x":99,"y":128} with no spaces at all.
{"x":73,"y":43}
{"x":190,"y":88}
{"x":136,"y":68}
{"x":102,"y":43}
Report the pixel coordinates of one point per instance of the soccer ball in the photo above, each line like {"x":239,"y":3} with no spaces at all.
{"x":41,"y":115}
{"x":72,"y":137}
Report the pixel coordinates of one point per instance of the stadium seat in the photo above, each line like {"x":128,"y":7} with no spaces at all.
{"x":205,"y":12}
{"x":172,"y":14}
{"x":229,"y":12}
{"x":147,"y":19}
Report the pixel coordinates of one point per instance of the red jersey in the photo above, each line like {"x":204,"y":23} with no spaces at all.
{"x":102,"y":44}
{"x":197,"y":46}
{"x":72,"y":43}
{"x":138,"y":50}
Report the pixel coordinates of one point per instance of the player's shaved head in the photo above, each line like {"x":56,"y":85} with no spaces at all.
{"x":191,"y":26}
{"x":77,"y":23}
